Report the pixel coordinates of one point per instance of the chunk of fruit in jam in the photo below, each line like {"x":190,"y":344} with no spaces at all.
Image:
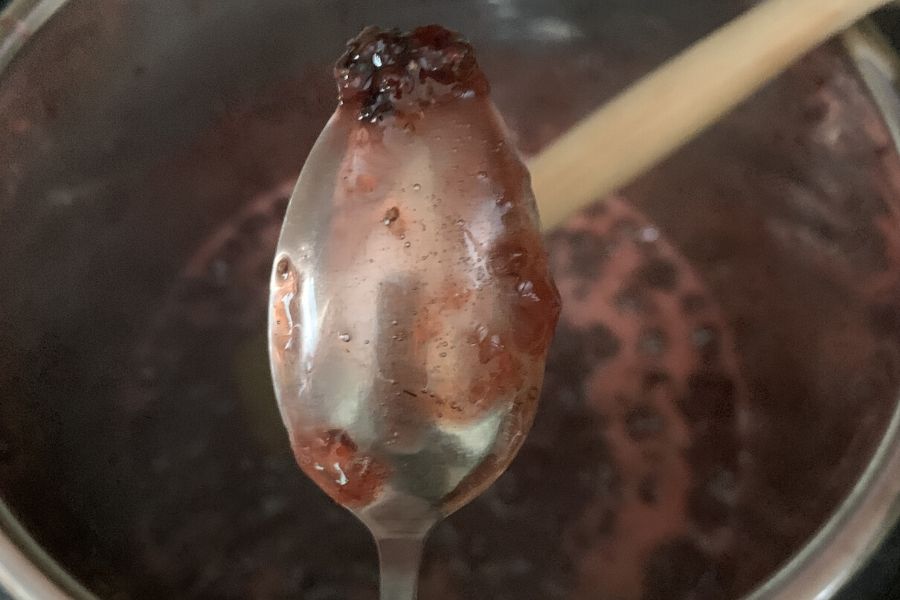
{"x":411,"y":303}
{"x":334,"y":462}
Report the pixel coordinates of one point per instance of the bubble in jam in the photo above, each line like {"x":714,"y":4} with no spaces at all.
{"x":411,"y":304}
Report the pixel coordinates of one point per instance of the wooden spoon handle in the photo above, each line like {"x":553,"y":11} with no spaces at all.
{"x":671,"y":105}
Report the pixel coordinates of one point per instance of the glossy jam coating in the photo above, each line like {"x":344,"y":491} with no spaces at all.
{"x":393,"y":73}
{"x":411,"y":304}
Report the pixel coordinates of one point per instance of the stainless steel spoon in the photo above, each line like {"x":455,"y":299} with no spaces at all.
{"x":411,"y":304}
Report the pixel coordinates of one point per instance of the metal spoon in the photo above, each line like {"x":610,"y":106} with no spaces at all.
{"x":411,"y":304}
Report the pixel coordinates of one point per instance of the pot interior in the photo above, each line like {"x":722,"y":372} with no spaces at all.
{"x":727,"y":360}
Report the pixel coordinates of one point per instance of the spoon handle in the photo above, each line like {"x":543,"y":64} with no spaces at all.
{"x":677,"y":101}
{"x":399,"y":559}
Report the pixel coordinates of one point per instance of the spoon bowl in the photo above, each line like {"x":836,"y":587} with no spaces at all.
{"x":411,"y":306}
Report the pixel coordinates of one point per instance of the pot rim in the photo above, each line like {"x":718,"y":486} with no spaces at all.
{"x":864,"y":519}
{"x":27,"y":572}
{"x":826,"y":562}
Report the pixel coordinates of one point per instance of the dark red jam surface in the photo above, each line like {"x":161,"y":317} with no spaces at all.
{"x":388,"y":72}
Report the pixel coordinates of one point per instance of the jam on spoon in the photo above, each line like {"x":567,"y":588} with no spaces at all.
{"x":411,"y":305}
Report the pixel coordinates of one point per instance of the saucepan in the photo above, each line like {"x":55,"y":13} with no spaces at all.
{"x":720,"y":415}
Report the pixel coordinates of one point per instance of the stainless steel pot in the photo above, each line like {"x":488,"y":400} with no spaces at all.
{"x":143,"y":164}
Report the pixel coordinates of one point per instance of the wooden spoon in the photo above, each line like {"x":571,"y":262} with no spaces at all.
{"x":673,"y":104}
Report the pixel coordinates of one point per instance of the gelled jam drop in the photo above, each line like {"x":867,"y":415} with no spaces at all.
{"x":386,"y":72}
{"x":416,"y":421}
